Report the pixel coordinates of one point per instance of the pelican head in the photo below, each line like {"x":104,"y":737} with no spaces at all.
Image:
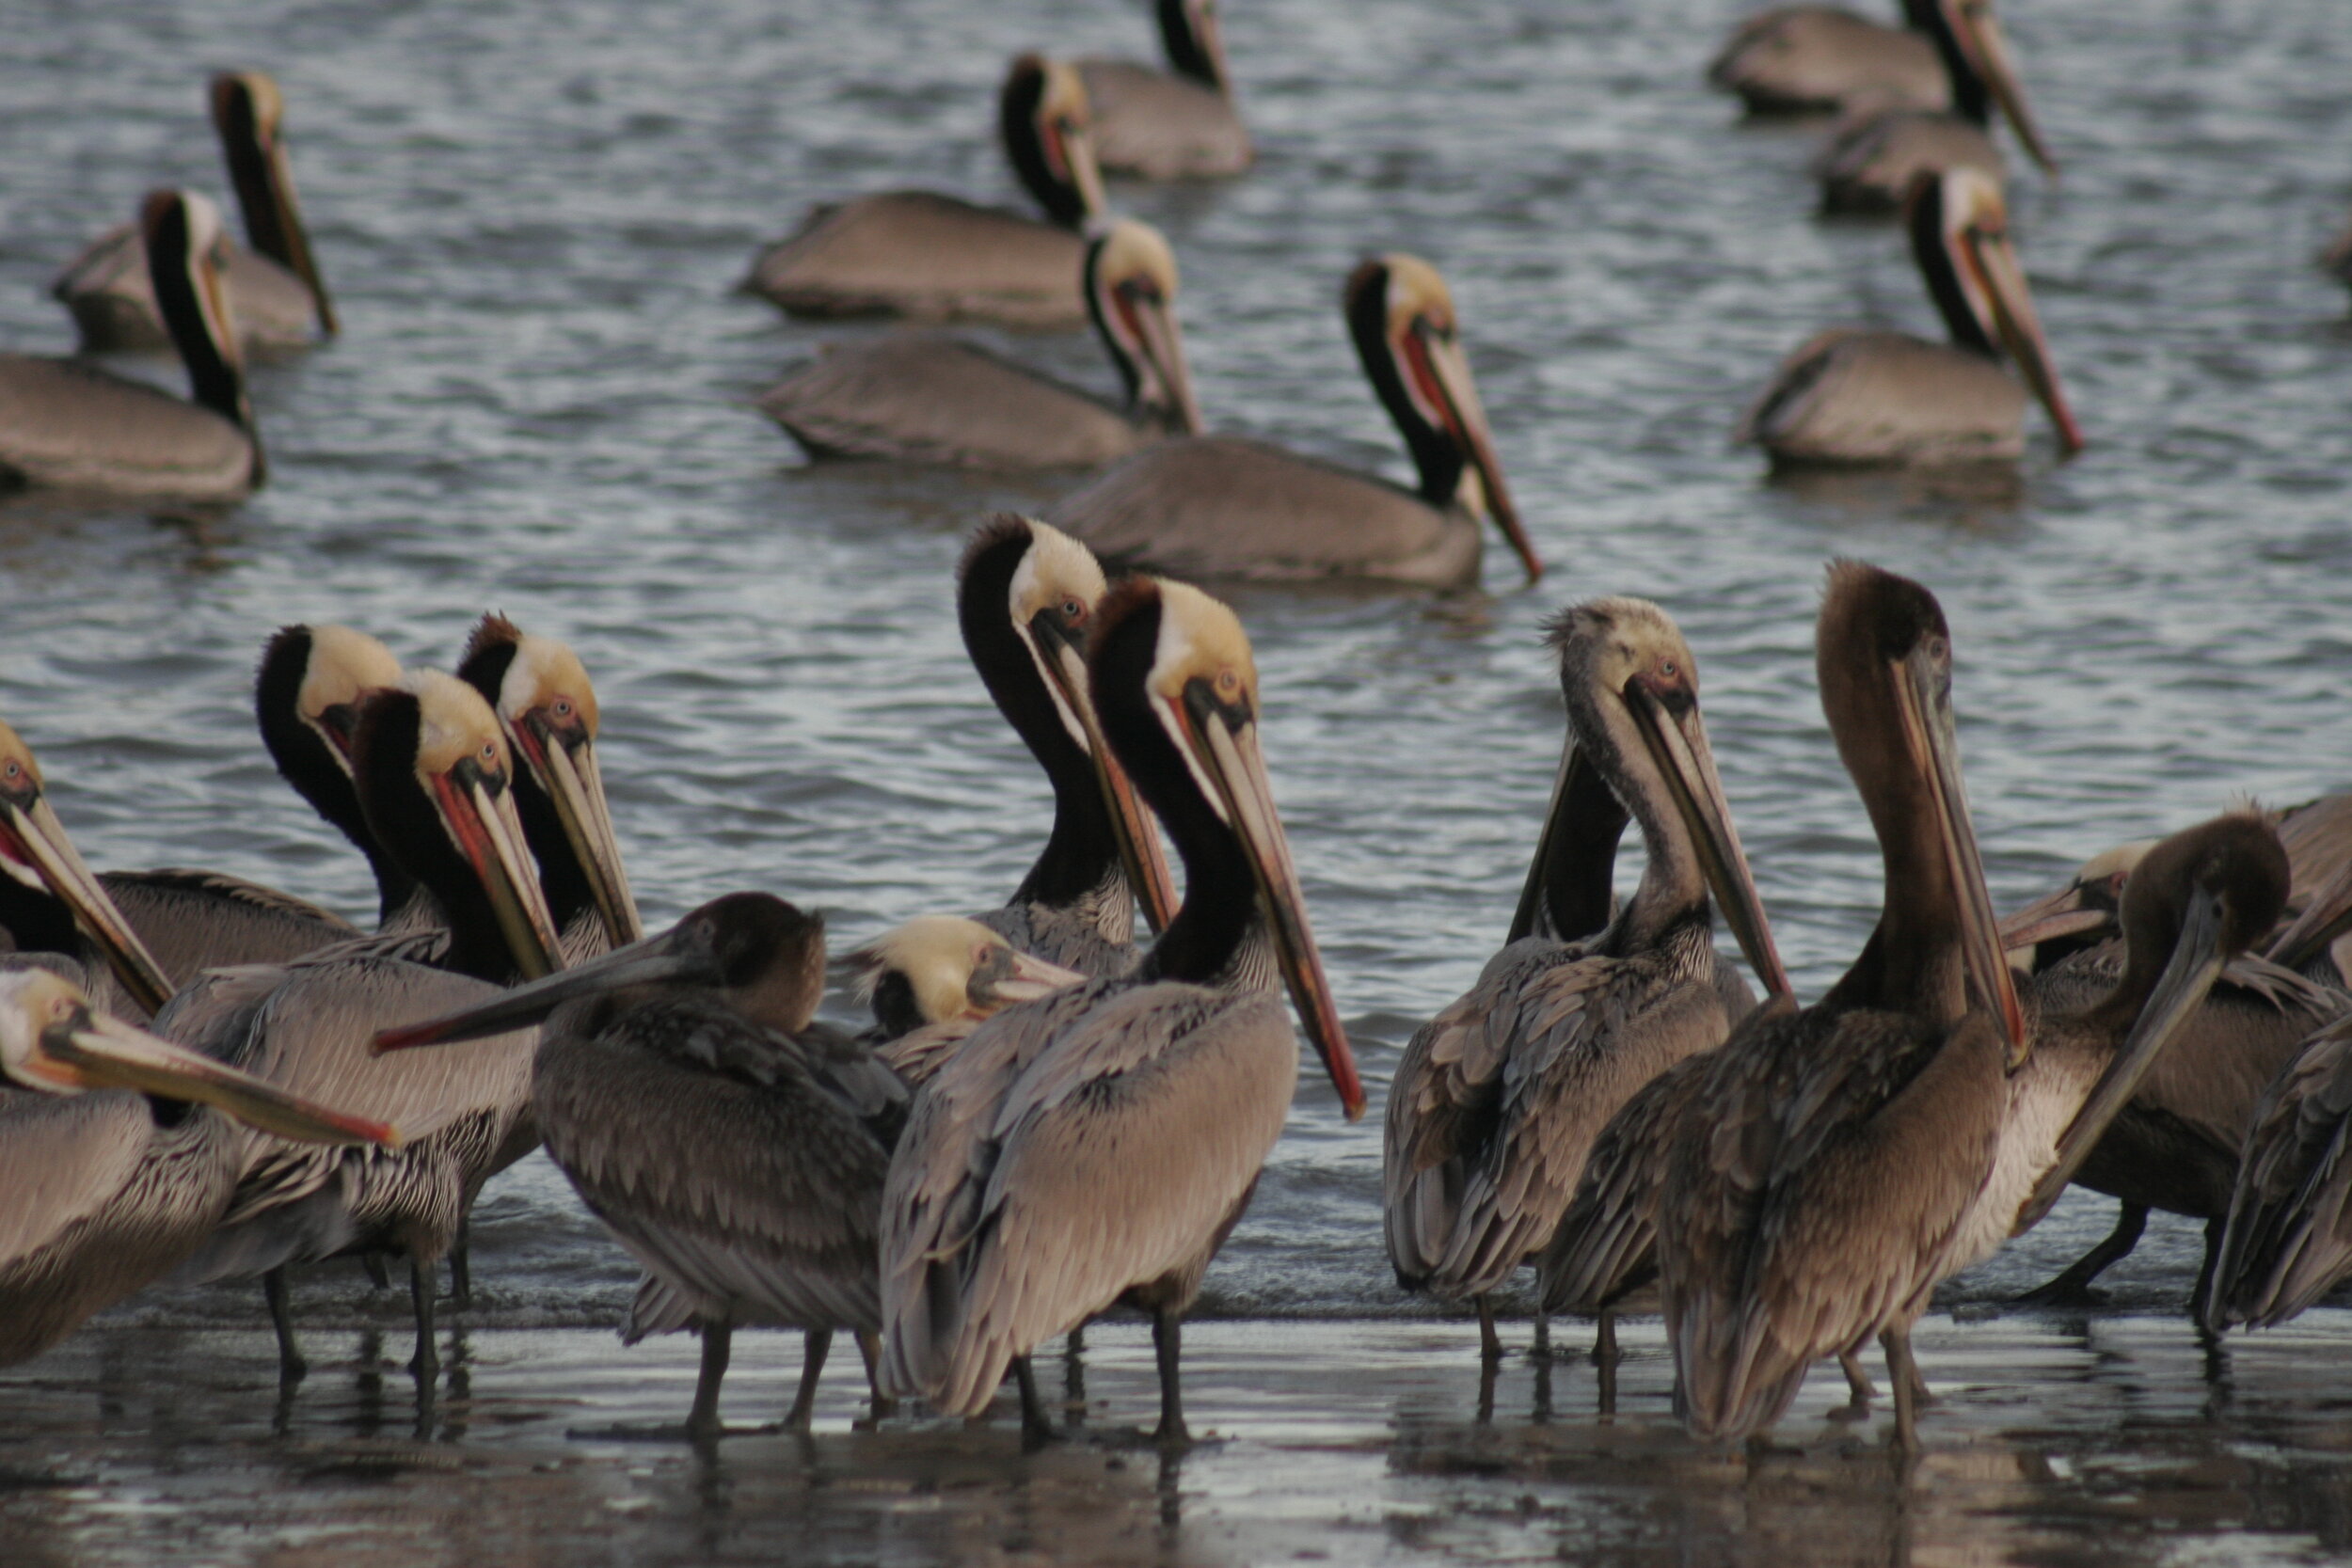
{"x":35,"y":850}
{"x":2085,"y":907}
{"x":1195,"y":43}
{"x":545,"y":704}
{"x":315,"y":677}
{"x":1400,"y":315}
{"x":1960,"y":234}
{"x":181,"y":234}
{"x":1976,"y":54}
{"x":938,"y":968}
{"x":247,"y":109}
{"x":1131,"y":293}
{"x":1049,"y":136}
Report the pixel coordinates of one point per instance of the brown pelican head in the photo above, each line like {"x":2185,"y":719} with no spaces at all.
{"x":1026,"y":597}
{"x":246,"y":108}
{"x":1195,"y":43}
{"x":1968,"y":37}
{"x":35,"y":851}
{"x":2198,"y":899}
{"x":540,"y":692}
{"x":1884,"y":658}
{"x":52,"y":1040}
{"x":1131,"y":293}
{"x":181,"y":231}
{"x":937,"y":968}
{"x":2082,"y":911}
{"x":1402,"y":318}
{"x":306,"y":698}
{"x":1960,"y":235}
{"x":435,"y":778}
{"x":1176,"y":686}
{"x":1632,"y":691}
{"x":1049,"y":137}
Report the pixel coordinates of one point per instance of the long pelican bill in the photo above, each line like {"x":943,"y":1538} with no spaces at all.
{"x":2063,"y":913}
{"x":1164,"y":346}
{"x":1987,"y":48}
{"x":1223,"y":743}
{"x":488,"y":833}
{"x":1995,"y":261}
{"x":35,"y":849}
{"x":105,"y":1053}
{"x":655,"y":961}
{"x":1581,"y":803}
{"x":1443,"y":361}
{"x":567,"y":770}
{"x":1031,"y":978}
{"x":1132,"y":823}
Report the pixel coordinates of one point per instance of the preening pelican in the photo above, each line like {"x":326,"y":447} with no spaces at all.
{"x":1222,"y":506}
{"x":1174,"y":124}
{"x":934,"y":980}
{"x":1821,"y":59}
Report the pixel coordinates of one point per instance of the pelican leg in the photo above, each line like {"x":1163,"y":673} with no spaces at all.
{"x":1489,"y":1342}
{"x":1540,"y":1347}
{"x":870,"y":1348}
{"x":718,"y":1341}
{"x":291,"y":1366}
{"x":1910,"y":1388}
{"x":1859,"y":1392}
{"x":816,"y":1344}
{"x":2073,"y":1287}
{"x":1605,"y":1340}
{"x":427,"y":1362}
{"x":1168,"y":1342}
{"x":461,"y":1268}
{"x":1035,"y":1428}
{"x":1077,"y":1343}
{"x":2203,"y":1287}
{"x":372,"y":1263}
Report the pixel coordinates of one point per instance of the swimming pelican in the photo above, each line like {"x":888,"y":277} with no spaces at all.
{"x":934,"y":980}
{"x":925,"y":398}
{"x":1857,"y":396}
{"x":1096,"y":1146}
{"x":1174,"y":124}
{"x":67,"y":425}
{"x":1831,"y":1153}
{"x":275,"y":294}
{"x":114,"y":1163}
{"x":1820,"y":59}
{"x":736,"y":1152}
{"x":1870,"y":162}
{"x":916,"y":253}
{"x":1496,"y":1100}
{"x":1222,"y":506}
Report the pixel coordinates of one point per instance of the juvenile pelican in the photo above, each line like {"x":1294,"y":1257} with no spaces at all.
{"x":1870,"y":162}
{"x":275,"y":294}
{"x":1174,"y":124}
{"x":1098,"y":1144}
{"x":1853,"y":396}
{"x":1821,"y":59}
{"x":67,"y":425}
{"x":1222,"y":506}
{"x":932,"y":980}
{"x":925,"y":398}
{"x":1818,"y":1185}
{"x":736,"y":1152}
{"x":1498,"y":1099}
{"x":914,"y":253}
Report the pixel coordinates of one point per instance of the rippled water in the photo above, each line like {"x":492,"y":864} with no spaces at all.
{"x":532,"y":214}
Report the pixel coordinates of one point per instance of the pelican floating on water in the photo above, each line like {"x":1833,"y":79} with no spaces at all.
{"x":1496,"y":1100}
{"x":1853,"y":396}
{"x":1096,"y":1146}
{"x":67,"y":425}
{"x":925,"y":398}
{"x":274,"y":293}
{"x":1820,"y":59}
{"x":1222,"y":506}
{"x":1174,"y":124}
{"x":914,"y":253}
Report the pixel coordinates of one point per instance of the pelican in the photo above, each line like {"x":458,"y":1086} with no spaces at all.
{"x":1819,"y":1182}
{"x":1821,"y":59}
{"x":113,"y":1160}
{"x":1174,"y":124}
{"x":1498,"y":1099}
{"x":925,"y":398}
{"x":67,"y":425}
{"x":934,"y":980}
{"x":1221,"y":506}
{"x":307,"y":696}
{"x":1870,"y":162}
{"x":914,"y":253}
{"x":1096,"y":1146}
{"x":274,"y":293}
{"x":736,"y":1152}
{"x":2286,"y":1241}
{"x":1853,"y":396}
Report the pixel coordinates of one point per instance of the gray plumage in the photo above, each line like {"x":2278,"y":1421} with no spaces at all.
{"x":1853,"y":396}
{"x":2288,"y":1238}
{"x":925,"y":256}
{"x":198,"y":920}
{"x":1814,"y":60}
{"x":65,"y":425}
{"x":1095,"y":935}
{"x":112,"y":304}
{"x":1867,"y":166}
{"x":1160,"y":125}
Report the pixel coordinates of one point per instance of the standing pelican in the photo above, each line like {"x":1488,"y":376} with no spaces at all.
{"x":925,"y":398}
{"x":67,"y":425}
{"x":1174,"y":124}
{"x":275,"y":294}
{"x":1498,"y":1099}
{"x":114,"y":1163}
{"x":1870,"y":162}
{"x":934,"y":980}
{"x":1221,"y":506}
{"x":1853,"y":396}
{"x":2287,"y":1239}
{"x":1098,"y":1144}
{"x":736,"y":1151}
{"x":1818,"y":1183}
{"x":1822,"y":59}
{"x":914,"y":253}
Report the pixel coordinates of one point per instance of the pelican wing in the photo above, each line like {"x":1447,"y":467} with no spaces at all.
{"x":198,"y":920}
{"x":63,"y":1159}
{"x":922,"y":398}
{"x":2289,"y":1235}
{"x":1606,"y":1244}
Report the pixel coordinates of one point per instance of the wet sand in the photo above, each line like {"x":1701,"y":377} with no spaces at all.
{"x":2055,"y":1439}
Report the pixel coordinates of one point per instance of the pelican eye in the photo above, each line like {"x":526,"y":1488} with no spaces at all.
{"x":1938,"y":649}
{"x":561,"y":708}
{"x":1228,"y":683}
{"x":1074,"y":609}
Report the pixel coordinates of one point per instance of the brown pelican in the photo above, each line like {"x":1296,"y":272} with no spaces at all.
{"x":932,"y":980}
{"x":1820,"y":59}
{"x":925,"y":398}
{"x":1221,"y":506}
{"x":736,"y":1152}
{"x":1870,"y":162}
{"x":2286,"y":1241}
{"x":1173,"y":124}
{"x":914,"y":253}
{"x":67,"y":425}
{"x":274,"y":293}
{"x":1818,"y":1184}
{"x":1096,"y":1146}
{"x":1856,"y":396}
{"x":1498,"y":1099}
{"x":307,"y":696}
{"x":114,"y":1164}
